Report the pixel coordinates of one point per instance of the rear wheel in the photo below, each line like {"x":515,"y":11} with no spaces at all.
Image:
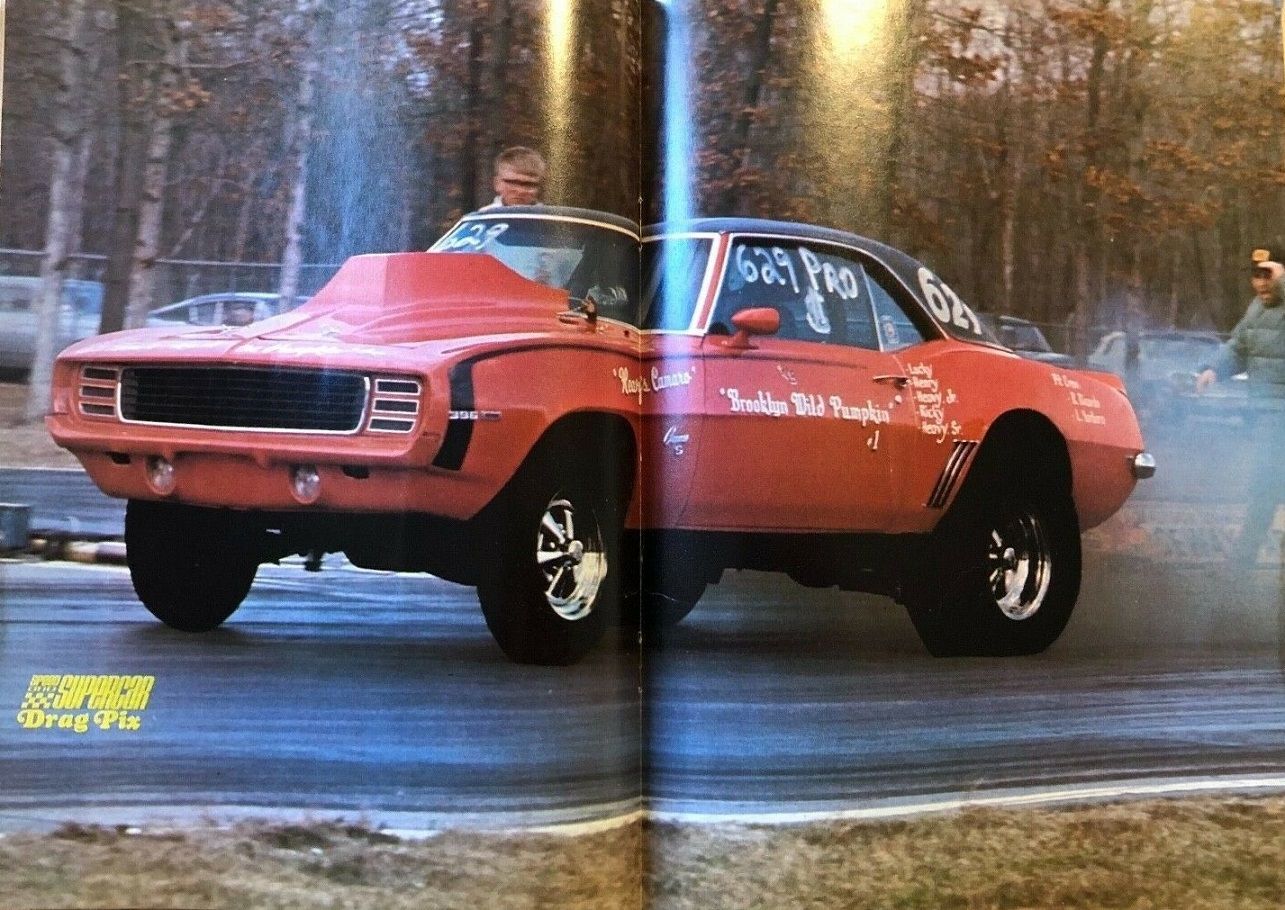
{"x":662,"y":610}
{"x":191,"y":566}
{"x":1001,"y":574}
{"x":555,"y":587}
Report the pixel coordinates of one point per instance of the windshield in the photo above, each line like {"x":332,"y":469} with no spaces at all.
{"x":577,"y":256}
{"x":673,"y":271}
{"x":1025,"y":337}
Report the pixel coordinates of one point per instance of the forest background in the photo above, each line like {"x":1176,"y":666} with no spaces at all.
{"x":1077,"y":162}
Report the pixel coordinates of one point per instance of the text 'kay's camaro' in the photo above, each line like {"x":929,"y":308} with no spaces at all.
{"x":526,"y":405}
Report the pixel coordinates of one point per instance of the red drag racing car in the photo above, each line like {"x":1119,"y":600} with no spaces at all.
{"x":519,"y":409}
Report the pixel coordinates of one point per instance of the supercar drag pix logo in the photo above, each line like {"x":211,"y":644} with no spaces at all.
{"x":76,"y":702}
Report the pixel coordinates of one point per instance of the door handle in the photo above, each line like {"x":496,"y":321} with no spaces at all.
{"x":894,"y":380}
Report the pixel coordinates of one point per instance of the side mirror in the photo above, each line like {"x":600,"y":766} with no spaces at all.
{"x":753,"y":321}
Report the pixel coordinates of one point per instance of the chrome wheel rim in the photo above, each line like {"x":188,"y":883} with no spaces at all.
{"x":571,"y":557}
{"x":1019,"y":566}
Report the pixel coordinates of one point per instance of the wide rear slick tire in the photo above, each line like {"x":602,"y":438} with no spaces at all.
{"x":1001,"y":574}
{"x":555,"y":586}
{"x":191,"y":566}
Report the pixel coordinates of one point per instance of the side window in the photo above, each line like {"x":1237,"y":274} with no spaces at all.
{"x":896,"y":329}
{"x":673,"y":271}
{"x":203,"y":314}
{"x":818,"y":290}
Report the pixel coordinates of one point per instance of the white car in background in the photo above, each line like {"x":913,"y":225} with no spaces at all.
{"x":78,"y":317}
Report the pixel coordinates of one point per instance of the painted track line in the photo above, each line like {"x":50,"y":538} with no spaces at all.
{"x":1141,"y":788}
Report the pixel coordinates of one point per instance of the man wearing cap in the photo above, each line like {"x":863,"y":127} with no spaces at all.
{"x":1257,"y":347}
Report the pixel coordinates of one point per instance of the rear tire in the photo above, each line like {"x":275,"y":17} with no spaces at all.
{"x":662,"y":610}
{"x":191,"y":566}
{"x":555,"y":586}
{"x":1001,"y":574}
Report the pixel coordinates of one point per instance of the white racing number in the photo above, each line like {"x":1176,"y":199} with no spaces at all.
{"x":474,"y":235}
{"x":768,"y":266}
{"x":946,"y":305}
{"x":775,"y":265}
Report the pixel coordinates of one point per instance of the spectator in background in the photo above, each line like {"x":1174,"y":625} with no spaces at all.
{"x":238,"y":312}
{"x":519,"y":177}
{"x":1257,"y":347}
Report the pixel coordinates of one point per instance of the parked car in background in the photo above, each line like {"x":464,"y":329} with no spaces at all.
{"x":1024,"y":337}
{"x":78,"y":317}
{"x":224,"y":308}
{"x":1162,"y":355}
{"x":1226,"y":401}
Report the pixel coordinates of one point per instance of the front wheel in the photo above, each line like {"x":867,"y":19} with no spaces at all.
{"x":555,"y":584}
{"x":1002,"y":574}
{"x":191,"y":566}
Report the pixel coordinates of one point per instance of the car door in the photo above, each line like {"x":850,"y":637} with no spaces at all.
{"x":677,"y":285}
{"x":799,"y":428}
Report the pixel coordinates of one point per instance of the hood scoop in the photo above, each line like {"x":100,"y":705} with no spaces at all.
{"x":408,"y":297}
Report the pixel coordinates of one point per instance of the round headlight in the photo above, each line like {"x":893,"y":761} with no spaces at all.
{"x":161,"y":475}
{"x":305,"y":483}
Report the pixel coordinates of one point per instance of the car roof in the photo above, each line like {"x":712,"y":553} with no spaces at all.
{"x":906,"y":267}
{"x":557,"y":211}
{"x":249,"y":296}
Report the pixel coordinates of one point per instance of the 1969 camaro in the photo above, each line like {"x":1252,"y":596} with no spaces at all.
{"x":531,"y":404}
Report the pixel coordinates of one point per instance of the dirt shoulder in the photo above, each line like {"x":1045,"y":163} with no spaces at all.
{"x":1208,"y":853}
{"x":302,"y":867}
{"x":26,"y":445}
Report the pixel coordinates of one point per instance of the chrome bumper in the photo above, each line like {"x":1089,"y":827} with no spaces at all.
{"x":1143,"y":465}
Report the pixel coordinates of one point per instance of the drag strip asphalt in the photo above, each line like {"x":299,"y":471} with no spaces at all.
{"x":334,"y":691}
{"x":381,"y":694}
{"x":347,"y":691}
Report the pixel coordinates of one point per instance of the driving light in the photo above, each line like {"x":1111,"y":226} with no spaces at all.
{"x":160,"y":475}
{"x":305,"y":483}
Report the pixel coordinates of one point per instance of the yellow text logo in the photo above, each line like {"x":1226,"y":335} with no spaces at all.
{"x":77,"y":703}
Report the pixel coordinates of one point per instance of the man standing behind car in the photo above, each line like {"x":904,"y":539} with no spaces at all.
{"x":519,"y":177}
{"x":1257,"y":347}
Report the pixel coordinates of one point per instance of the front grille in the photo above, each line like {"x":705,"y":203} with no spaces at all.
{"x":395,"y":405}
{"x":251,"y":398}
{"x":98,"y":391}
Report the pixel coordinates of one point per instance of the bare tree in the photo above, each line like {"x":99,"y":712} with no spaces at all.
{"x":151,"y":209}
{"x":301,"y":123}
{"x":73,"y":22}
{"x":137,"y":58}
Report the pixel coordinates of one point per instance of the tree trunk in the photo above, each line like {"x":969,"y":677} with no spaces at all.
{"x":760,"y":54}
{"x":134,"y":46}
{"x":62,"y":225}
{"x":151,"y":209}
{"x":1087,"y":248}
{"x":501,"y":32}
{"x":292,"y":255}
{"x":469,"y":148}
{"x":906,"y":51}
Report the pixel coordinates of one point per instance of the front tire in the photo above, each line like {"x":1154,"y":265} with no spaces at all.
{"x":191,"y":566}
{"x":1002,"y":571}
{"x":555,"y":588}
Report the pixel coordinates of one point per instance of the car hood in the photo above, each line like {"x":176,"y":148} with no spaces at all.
{"x":403,"y":299}
{"x":410,"y":297}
